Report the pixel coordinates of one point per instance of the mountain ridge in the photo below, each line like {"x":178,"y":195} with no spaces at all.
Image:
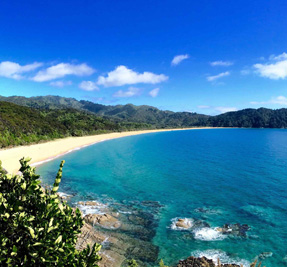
{"x":247,"y":118}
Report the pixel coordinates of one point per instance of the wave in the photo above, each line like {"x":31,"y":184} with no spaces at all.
{"x":214,"y":255}
{"x":208,"y":234}
{"x":96,"y":208}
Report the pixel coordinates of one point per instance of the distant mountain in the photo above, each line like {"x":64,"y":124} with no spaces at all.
{"x":251,"y":118}
{"x":140,"y":114}
{"x":148,"y":115}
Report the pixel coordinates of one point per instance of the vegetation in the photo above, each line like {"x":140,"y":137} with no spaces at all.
{"x":119,"y":113}
{"x":36,"y":229}
{"x":147,"y":116}
{"x":23,"y":125}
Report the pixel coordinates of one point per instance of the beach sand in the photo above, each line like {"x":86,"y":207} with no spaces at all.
{"x":42,"y":152}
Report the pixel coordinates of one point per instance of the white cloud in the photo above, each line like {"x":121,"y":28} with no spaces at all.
{"x":279,"y":57}
{"x":221,"y":63}
{"x":275,"y":69}
{"x":220,"y":75}
{"x":177,"y":59}
{"x":154,"y":92}
{"x":14,"y":70}
{"x":203,"y":107}
{"x":88,"y":86}
{"x":225,"y":109}
{"x":218,"y":109}
{"x":272,"y":71}
{"x":132,"y":91}
{"x":279,"y":100}
{"x":122,"y":76}
{"x":61,"y":83}
{"x":62,"y":69}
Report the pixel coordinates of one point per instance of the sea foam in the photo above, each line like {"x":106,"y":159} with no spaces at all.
{"x":214,"y":255}
{"x":208,"y":234}
{"x":92,"y":209}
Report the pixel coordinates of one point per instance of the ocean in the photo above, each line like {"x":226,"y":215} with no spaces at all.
{"x":233,"y":179}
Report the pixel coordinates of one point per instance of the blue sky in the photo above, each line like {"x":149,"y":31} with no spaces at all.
{"x":201,"y":56}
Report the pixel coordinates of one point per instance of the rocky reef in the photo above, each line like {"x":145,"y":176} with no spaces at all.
{"x":201,"y":262}
{"x":124,"y":232}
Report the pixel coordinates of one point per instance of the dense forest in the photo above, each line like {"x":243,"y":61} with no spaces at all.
{"x":140,"y":114}
{"x":23,"y":125}
{"x":28,"y":120}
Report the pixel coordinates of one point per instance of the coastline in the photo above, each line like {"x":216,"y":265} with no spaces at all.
{"x":43,"y":152}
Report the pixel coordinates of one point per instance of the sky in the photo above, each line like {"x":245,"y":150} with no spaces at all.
{"x":203,"y":56}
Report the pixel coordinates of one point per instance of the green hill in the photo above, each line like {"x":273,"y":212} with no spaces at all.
{"x":140,"y":114}
{"x":23,"y":125}
{"x":25,"y":120}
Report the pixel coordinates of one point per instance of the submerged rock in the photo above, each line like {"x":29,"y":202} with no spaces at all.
{"x":265,"y":255}
{"x":153,"y":204}
{"x":124,"y":233}
{"x":200,"y":262}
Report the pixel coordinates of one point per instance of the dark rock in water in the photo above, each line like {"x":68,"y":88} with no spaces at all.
{"x":147,"y":253}
{"x":138,"y":231}
{"x":200,"y":262}
{"x":236,"y":229}
{"x":265,"y":255}
{"x":143,"y":218}
{"x":200,"y":224}
{"x":153,"y":204}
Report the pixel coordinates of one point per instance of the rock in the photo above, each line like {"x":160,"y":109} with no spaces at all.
{"x":63,"y":196}
{"x":138,"y":231}
{"x":265,"y":255}
{"x":103,"y":220}
{"x":200,"y":224}
{"x":183,"y":223}
{"x":234,"y":229}
{"x":153,"y":204}
{"x":146,"y":252}
{"x":200,"y":262}
{"x":90,"y":203}
{"x":89,"y":236}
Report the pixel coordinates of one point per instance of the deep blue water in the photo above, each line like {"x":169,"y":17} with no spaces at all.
{"x":235,"y":175}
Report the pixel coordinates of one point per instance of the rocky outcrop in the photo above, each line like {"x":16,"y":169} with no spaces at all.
{"x":236,"y":229}
{"x":89,"y":236}
{"x":201,"y":262}
{"x":183,"y":223}
{"x":103,"y":220}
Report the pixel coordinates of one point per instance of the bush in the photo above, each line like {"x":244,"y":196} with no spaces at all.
{"x":36,"y":229}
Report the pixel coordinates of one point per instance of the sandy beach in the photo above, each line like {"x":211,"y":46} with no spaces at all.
{"x":40,"y":153}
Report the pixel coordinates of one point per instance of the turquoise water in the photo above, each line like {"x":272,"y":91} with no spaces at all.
{"x":218,"y":176}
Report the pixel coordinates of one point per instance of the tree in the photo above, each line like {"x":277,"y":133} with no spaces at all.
{"x":36,"y":228}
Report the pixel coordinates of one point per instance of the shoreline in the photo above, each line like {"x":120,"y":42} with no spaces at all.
{"x":44,"y":152}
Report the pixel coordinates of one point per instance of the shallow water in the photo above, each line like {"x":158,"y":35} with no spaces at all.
{"x":217,"y":176}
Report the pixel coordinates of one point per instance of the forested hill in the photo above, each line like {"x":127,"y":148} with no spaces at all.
{"x":23,"y":125}
{"x":141,"y":114}
{"x":25,"y":120}
{"x":251,"y":118}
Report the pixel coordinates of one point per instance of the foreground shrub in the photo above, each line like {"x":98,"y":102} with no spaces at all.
{"x":36,"y":229}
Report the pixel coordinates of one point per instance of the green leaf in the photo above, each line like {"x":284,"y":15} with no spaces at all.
{"x":32,"y":233}
{"x":58,"y":240}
